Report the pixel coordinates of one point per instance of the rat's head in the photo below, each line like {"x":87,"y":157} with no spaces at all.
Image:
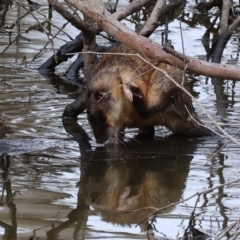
{"x":104,"y":107}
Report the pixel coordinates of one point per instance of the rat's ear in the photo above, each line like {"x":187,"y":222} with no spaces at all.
{"x":131,"y":90}
{"x":127,"y":91}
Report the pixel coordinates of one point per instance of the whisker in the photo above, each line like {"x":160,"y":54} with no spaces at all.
{"x":134,"y":140}
{"x":123,"y":142}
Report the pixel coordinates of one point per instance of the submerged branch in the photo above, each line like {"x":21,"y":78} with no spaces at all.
{"x":60,"y":56}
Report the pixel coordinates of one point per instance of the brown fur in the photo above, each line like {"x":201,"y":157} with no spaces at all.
{"x":125,"y":92}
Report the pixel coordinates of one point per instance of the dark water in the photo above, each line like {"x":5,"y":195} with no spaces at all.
{"x":58,"y":187}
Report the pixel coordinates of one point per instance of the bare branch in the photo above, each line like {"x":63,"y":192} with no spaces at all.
{"x":234,"y":25}
{"x":74,"y":20}
{"x":151,"y":23}
{"x":225,"y":16}
{"x":134,"y":6}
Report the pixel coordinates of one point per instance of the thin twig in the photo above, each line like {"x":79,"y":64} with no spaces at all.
{"x":183,"y":200}
{"x":183,"y":50}
{"x":227,"y":229}
{"x":47,"y":33}
{"x":221,"y":148}
{"x":201,"y":124}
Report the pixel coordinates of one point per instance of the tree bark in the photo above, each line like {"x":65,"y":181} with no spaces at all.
{"x":96,"y":10}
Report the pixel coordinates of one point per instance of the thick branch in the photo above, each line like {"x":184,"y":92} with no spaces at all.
{"x":159,"y":14}
{"x":151,"y":23}
{"x":97,"y":11}
{"x":134,"y":6}
{"x":225,"y":16}
{"x":74,"y":46}
{"x":234,"y":25}
{"x":74,"y":20}
{"x":225,"y":32}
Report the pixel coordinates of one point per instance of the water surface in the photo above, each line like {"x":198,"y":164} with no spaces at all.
{"x":59,"y":187}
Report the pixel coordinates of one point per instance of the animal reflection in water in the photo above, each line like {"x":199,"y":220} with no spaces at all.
{"x":125,"y":92}
{"x":116,"y":187}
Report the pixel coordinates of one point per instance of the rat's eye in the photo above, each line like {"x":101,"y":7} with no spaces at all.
{"x":99,"y":95}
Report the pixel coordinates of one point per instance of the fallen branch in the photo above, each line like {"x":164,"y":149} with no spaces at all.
{"x":97,"y":11}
